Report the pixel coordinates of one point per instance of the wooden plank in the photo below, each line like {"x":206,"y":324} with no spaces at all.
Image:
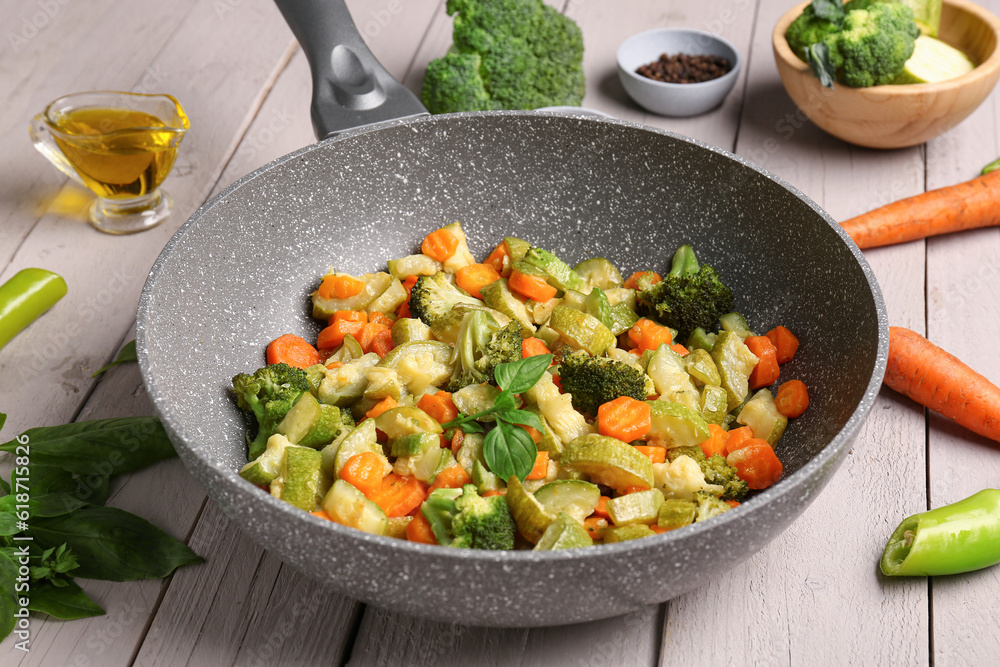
{"x":814,"y":591}
{"x":963,"y":290}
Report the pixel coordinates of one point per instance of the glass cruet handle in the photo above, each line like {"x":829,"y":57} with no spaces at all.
{"x":46,"y":145}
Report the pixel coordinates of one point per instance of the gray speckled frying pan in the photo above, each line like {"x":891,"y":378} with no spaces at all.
{"x":239,"y":272}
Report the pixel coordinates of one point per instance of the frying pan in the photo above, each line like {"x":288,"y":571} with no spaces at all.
{"x":237,"y":274}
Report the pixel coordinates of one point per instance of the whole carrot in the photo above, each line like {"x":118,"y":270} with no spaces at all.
{"x":967,"y":205}
{"x":943,"y":383}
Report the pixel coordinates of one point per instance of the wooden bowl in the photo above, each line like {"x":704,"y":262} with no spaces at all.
{"x":898,"y":116}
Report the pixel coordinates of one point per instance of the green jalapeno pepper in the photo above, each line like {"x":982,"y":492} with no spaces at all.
{"x":960,"y":537}
{"x":28,"y":294}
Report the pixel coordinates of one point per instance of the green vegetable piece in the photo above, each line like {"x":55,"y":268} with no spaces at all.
{"x":630,"y":532}
{"x":714,"y":404}
{"x":421,"y":364}
{"x":599,"y":272}
{"x":699,"y":365}
{"x":762,"y":416}
{"x":301,"y":419}
{"x":676,"y":424}
{"x":528,"y":513}
{"x":349,"y":507}
{"x":375,"y":285}
{"x":559,"y":273}
{"x":608,"y":461}
{"x":564,"y":533}
{"x":406,"y":419}
{"x":933,"y":61}
{"x":736,"y":323}
{"x":516,"y":248}
{"x":484,"y":479}
{"x":618,"y":319}
{"x":344,"y":385}
{"x":23,"y":298}
{"x":593,"y":381}
{"x":264,"y":469}
{"x":463,"y":518}
{"x":873,"y":44}
{"x":497,"y":295}
{"x":407,"y":329}
{"x":638,"y":507}
{"x":700,"y":339}
{"x":573,"y":497}
{"x":415,"y":443}
{"x":735,"y":362}
{"x":300,"y":480}
{"x":675,"y":513}
{"x":960,"y":537}
{"x":413,"y":265}
{"x":581,"y":331}
{"x":126,"y":355}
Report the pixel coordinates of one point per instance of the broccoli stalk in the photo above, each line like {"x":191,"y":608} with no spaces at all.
{"x":688,"y":297}
{"x":462,"y":518}
{"x":482,"y":344}
{"x":268,"y":394}
{"x":506,"y":54}
{"x":593,"y":381}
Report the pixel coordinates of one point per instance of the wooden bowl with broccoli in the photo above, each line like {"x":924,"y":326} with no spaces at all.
{"x":882,"y":111}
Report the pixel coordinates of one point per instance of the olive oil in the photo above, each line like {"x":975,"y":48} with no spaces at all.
{"x":119,"y":153}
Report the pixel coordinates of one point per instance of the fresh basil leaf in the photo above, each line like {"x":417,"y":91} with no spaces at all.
{"x":98,"y":447}
{"x":818,"y":57}
{"x":113,"y":544}
{"x":8,"y":524}
{"x":66,"y":601}
{"x":55,"y":491}
{"x":504,"y":402}
{"x":829,"y":10}
{"x":126,"y":355}
{"x":467,"y":423}
{"x":520,"y":376}
{"x":8,"y":596}
{"x":471,"y":427}
{"x":524,"y":418}
{"x":509,"y":450}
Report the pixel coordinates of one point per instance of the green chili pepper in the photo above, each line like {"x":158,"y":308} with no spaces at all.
{"x":960,"y":537}
{"x":26,"y":296}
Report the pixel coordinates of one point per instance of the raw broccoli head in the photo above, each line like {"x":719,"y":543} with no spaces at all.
{"x":482,"y":344}
{"x":716,"y":471}
{"x":688,"y":297}
{"x":874,"y":44}
{"x":811,"y":27}
{"x":432,"y":298}
{"x":463,"y":518}
{"x":269,"y":393}
{"x":507,"y":54}
{"x":593,"y":381}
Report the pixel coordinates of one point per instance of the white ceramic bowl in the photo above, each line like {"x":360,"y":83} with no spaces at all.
{"x":675,"y":99}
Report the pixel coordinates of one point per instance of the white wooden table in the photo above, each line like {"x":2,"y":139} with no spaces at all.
{"x":813,"y":596}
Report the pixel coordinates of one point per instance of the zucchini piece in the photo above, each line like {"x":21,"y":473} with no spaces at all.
{"x":421,"y":364}
{"x":413,"y":265}
{"x":564,"y":533}
{"x":675,"y":513}
{"x":699,"y":339}
{"x":699,"y":365}
{"x":714,"y":404}
{"x":461,"y":257}
{"x":264,"y":469}
{"x":497,"y":295}
{"x":384,"y":382}
{"x":425,"y":466}
{"x":475,"y":398}
{"x":541,"y":311}
{"x":560,"y":275}
{"x":361,"y":439}
{"x":396,"y":526}
{"x":572,"y":497}
{"x":349,"y":507}
{"x":404,"y":420}
{"x":671,"y":379}
{"x":301,"y":419}
{"x":675,"y":424}
{"x":618,"y":319}
{"x":599,"y":272}
{"x":390,"y":300}
{"x":608,"y":461}
{"x":516,"y":248}
{"x":347,"y":383}
{"x":548,"y":335}
{"x":315,"y":375}
{"x":638,"y":507}
{"x":549,"y":442}
{"x":412,"y":444}
{"x":300,"y":479}
{"x":529,"y":515}
{"x":332,"y":422}
{"x":735,"y":362}
{"x":484,"y":479}
{"x":407,"y":329}
{"x":375,"y":284}
{"x":349,"y":351}
{"x":762,"y":416}
{"x":581,"y":331}
{"x":631,"y":532}
{"x":735,"y":323}
{"x":470,"y":452}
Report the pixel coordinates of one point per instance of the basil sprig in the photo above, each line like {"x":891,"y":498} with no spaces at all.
{"x":509,"y":448}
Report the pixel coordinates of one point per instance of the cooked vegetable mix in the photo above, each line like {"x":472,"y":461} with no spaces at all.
{"x":520,"y":401}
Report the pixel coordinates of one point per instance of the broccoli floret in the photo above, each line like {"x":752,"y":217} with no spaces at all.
{"x":709,"y":506}
{"x":482,"y":344}
{"x":463,"y":518}
{"x":593,"y":381}
{"x":811,"y":26}
{"x":507,"y":54}
{"x":433,"y":297}
{"x":688,"y":297}
{"x":874,"y":44}
{"x":269,"y":394}
{"x":716,"y":470}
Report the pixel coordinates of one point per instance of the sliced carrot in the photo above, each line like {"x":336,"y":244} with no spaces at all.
{"x":736,"y":437}
{"x":541,"y":467}
{"x":624,"y":418}
{"x":439,"y":406}
{"x":733,"y":503}
{"x":766,"y":372}
{"x":792,"y":398}
{"x":649,"y":277}
{"x":648,"y":335}
{"x":785,"y":343}
{"x":602,"y":508}
{"x":654,"y":454}
{"x":474,"y":277}
{"x":452,"y":477}
{"x":660,"y":529}
{"x":419,"y":530}
{"x":679,"y":349}
{"x":381,"y":318}
{"x":756,"y":463}
{"x":457,"y":438}
{"x":321,"y":514}
{"x":716,"y":441}
{"x":532,"y":347}
{"x":596,"y":525}
{"x":350,"y":316}
{"x":368,"y":334}
{"x":334,"y":364}
{"x":439,"y":244}
{"x":530,"y":286}
{"x":399,"y":494}
{"x":535,"y":434}
{"x":333,"y":336}
{"x":382,"y":343}
{"x":632,"y":488}
{"x":340,"y":286}
{"x":364,"y":472}
{"x":294,"y":351}
{"x":493,"y":492}
{"x":386,"y":403}
{"x":499,"y":259}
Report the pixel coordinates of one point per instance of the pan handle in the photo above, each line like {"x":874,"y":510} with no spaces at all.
{"x":350,"y":86}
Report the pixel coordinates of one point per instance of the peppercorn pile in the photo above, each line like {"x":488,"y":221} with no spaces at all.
{"x":685,"y":68}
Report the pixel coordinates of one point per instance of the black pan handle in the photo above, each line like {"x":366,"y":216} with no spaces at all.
{"x":350,"y":86}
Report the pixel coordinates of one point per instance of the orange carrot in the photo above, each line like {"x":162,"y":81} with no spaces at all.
{"x":452,"y":477}
{"x":363,"y":471}
{"x":792,"y":398}
{"x":419,"y":530}
{"x":376,"y":317}
{"x":340,"y":286}
{"x":399,"y":494}
{"x":541,"y":467}
{"x":785,"y":343}
{"x":733,"y":503}
{"x":382,"y":343}
{"x":349,"y":316}
{"x":736,"y":437}
{"x":474,"y":277}
{"x":385,"y":404}
{"x":632,"y":488}
{"x":756,"y":463}
{"x":624,"y":418}
{"x":493,"y":492}
{"x":368,"y":334}
{"x":499,"y":259}
{"x":632,"y":282}
{"x":292,"y":350}
{"x":679,"y":349}
{"x":439,"y":244}
{"x":595,"y":525}
{"x":535,"y":434}
{"x":716,"y":441}
{"x":439,"y":406}
{"x":941,"y":382}
{"x":533,"y":287}
{"x":602,"y":508}
{"x":321,"y":514}
{"x":648,"y":335}
{"x":765,"y":373}
{"x":333,"y":336}
{"x":654,"y":454}
{"x":532,"y":347}
{"x":457,"y":438}
{"x":967,"y":205}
